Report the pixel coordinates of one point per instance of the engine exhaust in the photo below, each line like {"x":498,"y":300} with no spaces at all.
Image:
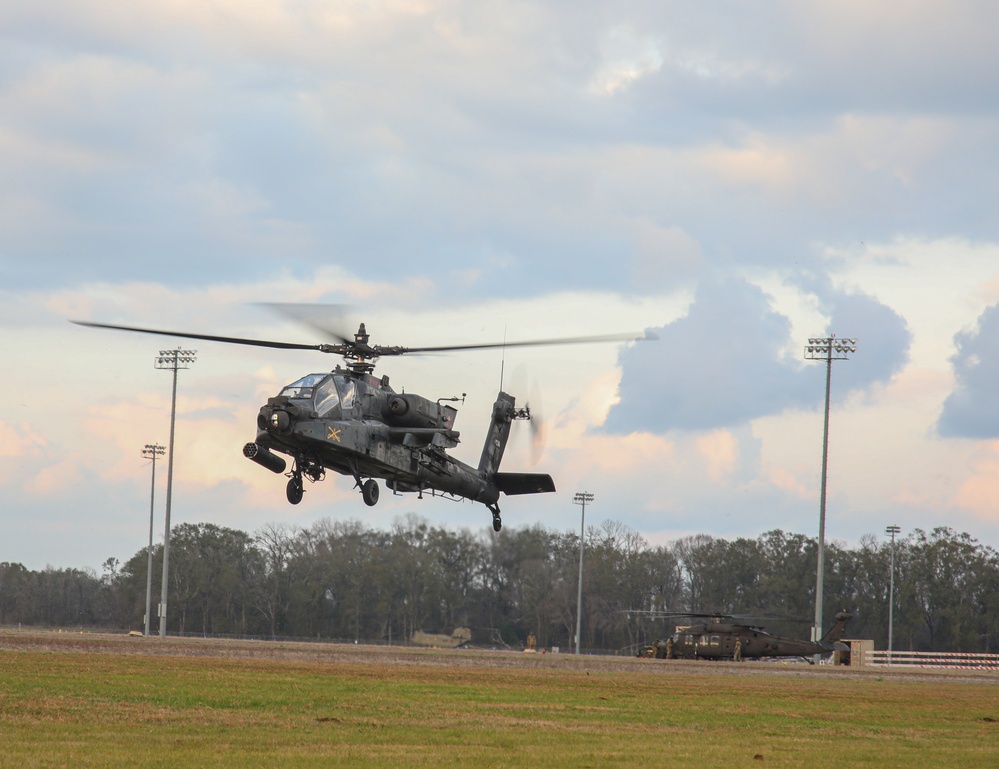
{"x":263,"y":457}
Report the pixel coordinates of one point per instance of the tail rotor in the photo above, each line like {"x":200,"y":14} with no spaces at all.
{"x":531,"y":412}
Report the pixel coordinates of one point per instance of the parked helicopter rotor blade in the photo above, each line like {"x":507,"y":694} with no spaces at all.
{"x":214,"y":338}
{"x":755,"y":618}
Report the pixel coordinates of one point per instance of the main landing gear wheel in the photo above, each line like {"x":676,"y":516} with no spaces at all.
{"x":369,"y":492}
{"x":295,"y":489}
{"x":497,"y":523}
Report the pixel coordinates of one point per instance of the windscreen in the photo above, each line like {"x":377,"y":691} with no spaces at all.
{"x":304,"y":387}
{"x":327,"y":397}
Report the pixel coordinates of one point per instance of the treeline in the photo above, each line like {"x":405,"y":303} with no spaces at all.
{"x":340,"y":580}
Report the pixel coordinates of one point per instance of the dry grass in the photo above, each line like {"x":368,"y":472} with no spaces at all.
{"x":103,"y":702}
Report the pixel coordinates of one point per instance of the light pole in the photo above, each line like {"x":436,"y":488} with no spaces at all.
{"x":170,"y":360}
{"x":151,"y":451}
{"x":892,"y":530}
{"x":581,"y":498}
{"x":828,"y":349}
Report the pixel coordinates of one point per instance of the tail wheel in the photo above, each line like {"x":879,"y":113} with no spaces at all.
{"x":295,"y":489}
{"x":497,"y":521}
{"x":369,"y":492}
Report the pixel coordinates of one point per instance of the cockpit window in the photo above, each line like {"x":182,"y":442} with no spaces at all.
{"x":326,"y":397}
{"x":303,"y":387}
{"x":347,"y":391}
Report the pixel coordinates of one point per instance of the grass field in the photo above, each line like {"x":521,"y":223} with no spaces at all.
{"x":80,"y":708}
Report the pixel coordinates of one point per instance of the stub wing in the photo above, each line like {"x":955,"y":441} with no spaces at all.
{"x":524,"y":483}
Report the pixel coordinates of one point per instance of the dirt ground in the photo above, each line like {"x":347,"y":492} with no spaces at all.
{"x":110,"y":643}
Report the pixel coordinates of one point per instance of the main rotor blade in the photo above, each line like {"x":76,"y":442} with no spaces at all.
{"x":327,"y":319}
{"x":629,"y":337}
{"x":736,"y":618}
{"x":347,"y":346}
{"x":213,"y":338}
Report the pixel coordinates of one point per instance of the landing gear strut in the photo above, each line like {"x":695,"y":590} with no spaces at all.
{"x":369,"y":488}
{"x":302,"y":468}
{"x":497,"y":523}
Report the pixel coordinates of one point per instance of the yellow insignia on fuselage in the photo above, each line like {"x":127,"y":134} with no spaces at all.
{"x":332,"y":433}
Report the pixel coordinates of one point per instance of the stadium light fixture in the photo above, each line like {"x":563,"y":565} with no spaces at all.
{"x":581,"y":498}
{"x":151,"y":451}
{"x":826,"y":349}
{"x":170,"y":360}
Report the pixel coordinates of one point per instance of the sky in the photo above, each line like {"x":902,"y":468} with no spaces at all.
{"x":735,"y":177}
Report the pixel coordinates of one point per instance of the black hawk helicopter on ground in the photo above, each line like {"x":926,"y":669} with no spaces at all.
{"x":721,"y":636}
{"x":355,"y":424}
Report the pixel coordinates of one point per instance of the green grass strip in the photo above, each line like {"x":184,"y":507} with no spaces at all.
{"x":125,"y":711}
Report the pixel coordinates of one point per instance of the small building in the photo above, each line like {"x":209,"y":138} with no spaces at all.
{"x":858,"y":649}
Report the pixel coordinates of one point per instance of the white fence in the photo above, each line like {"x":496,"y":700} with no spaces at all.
{"x":946,"y":660}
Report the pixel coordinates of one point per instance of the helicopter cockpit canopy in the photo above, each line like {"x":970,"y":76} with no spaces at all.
{"x":303,"y":388}
{"x":326,"y":391}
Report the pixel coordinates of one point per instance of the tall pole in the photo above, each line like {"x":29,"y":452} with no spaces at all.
{"x":170,"y":360}
{"x":827,"y":349}
{"x":892,"y":530}
{"x":581,"y":499}
{"x":151,"y":451}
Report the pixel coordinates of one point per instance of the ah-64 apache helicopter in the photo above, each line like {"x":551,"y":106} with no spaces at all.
{"x":354,"y":423}
{"x":722,"y":636}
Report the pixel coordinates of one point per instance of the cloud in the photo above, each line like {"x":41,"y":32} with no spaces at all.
{"x":414,"y":139}
{"x":741,"y":178}
{"x":972,"y":409}
{"x":720,"y":365}
{"x":979,"y":491}
{"x":726,"y":362}
{"x":720,"y":451}
{"x":19,"y":441}
{"x":883,"y":340}
{"x":627,"y":56}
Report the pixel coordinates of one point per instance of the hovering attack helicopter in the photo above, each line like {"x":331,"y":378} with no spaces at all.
{"x":717,"y":635}
{"x":354,"y":423}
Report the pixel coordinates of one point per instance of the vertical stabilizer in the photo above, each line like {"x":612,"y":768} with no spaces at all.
{"x":498,"y":434}
{"x":836,"y":631}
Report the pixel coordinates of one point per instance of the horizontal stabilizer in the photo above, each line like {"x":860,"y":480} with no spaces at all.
{"x":524,"y":483}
